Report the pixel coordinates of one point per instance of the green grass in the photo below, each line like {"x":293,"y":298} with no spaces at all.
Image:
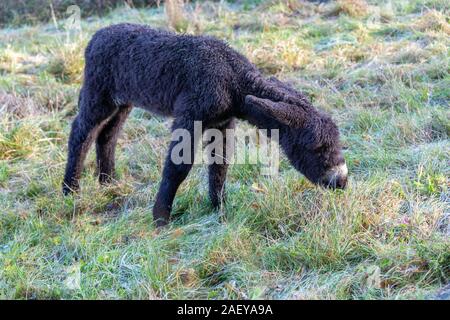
{"x":384,"y":78}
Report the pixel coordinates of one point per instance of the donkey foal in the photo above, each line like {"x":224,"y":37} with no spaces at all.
{"x":191,"y":78}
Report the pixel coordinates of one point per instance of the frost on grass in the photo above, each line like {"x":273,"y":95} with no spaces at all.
{"x":382,"y":72}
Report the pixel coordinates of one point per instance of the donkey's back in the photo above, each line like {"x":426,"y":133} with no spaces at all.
{"x":150,"y":68}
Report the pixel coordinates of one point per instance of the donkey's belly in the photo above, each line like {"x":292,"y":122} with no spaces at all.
{"x":148,"y":103}
{"x":155,"y":107}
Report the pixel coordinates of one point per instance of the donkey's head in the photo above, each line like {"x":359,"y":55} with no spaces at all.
{"x":309,"y":138}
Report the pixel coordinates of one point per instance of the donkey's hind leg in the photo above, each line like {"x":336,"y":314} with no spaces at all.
{"x":106,"y":144}
{"x":94,"y":112}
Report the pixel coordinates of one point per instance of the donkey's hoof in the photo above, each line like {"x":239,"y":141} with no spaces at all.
{"x":66,"y":190}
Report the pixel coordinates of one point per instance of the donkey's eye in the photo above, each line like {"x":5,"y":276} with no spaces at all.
{"x":319,"y":148}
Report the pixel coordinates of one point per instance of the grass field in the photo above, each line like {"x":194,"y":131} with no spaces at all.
{"x":381,"y":70}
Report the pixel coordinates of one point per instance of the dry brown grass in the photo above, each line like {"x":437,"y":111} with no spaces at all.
{"x":353,"y":8}
{"x":433,"y":20}
{"x":12,"y":61}
{"x":67,"y":61}
{"x":17,"y":141}
{"x":409,"y":53}
{"x":19,"y":107}
{"x":279,"y":55}
{"x":176,"y":16}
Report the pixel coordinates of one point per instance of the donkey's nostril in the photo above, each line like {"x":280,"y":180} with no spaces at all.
{"x":341,"y":182}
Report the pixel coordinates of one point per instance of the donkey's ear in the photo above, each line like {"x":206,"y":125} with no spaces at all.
{"x":283,"y":112}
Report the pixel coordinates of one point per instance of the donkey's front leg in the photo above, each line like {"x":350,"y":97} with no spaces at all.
{"x":176,"y":168}
{"x":218,"y":170}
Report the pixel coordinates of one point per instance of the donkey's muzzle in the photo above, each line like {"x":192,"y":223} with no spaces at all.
{"x":336,"y":177}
